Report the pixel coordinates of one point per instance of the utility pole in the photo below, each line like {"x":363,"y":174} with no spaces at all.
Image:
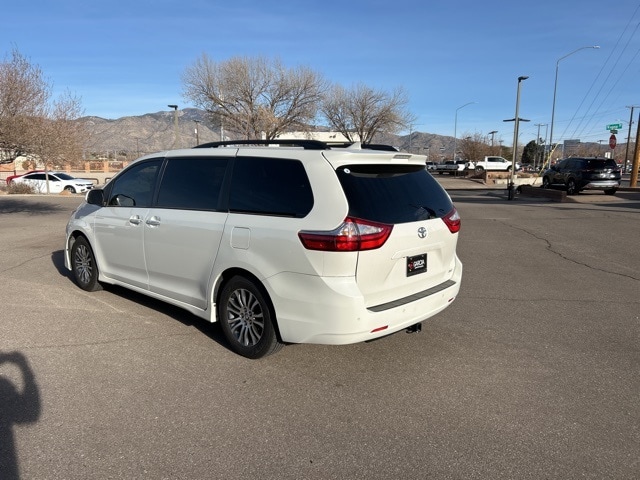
{"x":626,"y":154}
{"x":538,"y":143}
{"x":633,"y":182}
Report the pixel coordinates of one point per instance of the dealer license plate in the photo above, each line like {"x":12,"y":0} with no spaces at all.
{"x":416,"y":264}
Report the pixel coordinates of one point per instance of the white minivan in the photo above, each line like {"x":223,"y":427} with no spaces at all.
{"x":302,"y":242}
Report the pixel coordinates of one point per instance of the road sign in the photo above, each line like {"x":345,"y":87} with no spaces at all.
{"x":614,"y":126}
{"x":612,"y":141}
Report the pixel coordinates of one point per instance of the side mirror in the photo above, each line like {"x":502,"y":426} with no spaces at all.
{"x":95,"y":197}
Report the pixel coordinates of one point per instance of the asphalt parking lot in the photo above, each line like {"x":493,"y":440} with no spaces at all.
{"x":531,"y":373}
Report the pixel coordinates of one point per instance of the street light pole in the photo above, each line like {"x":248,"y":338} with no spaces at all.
{"x":555,"y":90}
{"x":175,"y":125}
{"x":511,"y":189}
{"x":455,"y":130}
{"x":197,"y":134}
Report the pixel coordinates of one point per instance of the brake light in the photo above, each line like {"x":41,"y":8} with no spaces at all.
{"x":452,"y":220}
{"x":352,"y":235}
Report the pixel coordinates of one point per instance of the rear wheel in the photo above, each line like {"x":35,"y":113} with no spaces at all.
{"x":479,"y":170}
{"x":246,"y":319}
{"x":83,"y":263}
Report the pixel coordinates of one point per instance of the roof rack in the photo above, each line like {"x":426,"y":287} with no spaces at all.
{"x":306,"y":144}
{"x":359,"y":146}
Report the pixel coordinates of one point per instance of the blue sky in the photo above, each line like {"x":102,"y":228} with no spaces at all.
{"x":127,"y":58}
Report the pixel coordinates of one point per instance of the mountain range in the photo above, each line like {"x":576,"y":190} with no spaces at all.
{"x":153,"y":132}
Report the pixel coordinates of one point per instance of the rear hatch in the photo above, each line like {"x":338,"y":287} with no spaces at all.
{"x":420,"y":252}
{"x":603,"y":169}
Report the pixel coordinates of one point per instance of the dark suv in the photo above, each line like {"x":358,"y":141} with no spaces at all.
{"x":576,"y":174}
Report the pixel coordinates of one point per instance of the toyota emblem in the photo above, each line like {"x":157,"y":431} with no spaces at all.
{"x":422,"y":232}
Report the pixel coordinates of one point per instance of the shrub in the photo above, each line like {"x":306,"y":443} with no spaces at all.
{"x":18,"y":188}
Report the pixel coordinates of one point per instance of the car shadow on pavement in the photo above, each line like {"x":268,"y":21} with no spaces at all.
{"x":57,"y":258}
{"x":17,"y":205}
{"x":211,"y":330}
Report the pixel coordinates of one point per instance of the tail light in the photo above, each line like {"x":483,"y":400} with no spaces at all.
{"x":452,"y":220}
{"x":352,"y":235}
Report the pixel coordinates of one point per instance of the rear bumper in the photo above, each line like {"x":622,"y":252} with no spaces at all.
{"x":602,"y":184}
{"x":337,"y":315}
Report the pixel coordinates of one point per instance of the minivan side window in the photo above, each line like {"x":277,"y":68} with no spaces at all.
{"x":192,"y":183}
{"x":134,"y":188}
{"x":270,"y":186}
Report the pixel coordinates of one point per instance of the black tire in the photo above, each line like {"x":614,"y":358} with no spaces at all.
{"x":572,"y":187}
{"x":479,"y":170}
{"x":546,"y":183}
{"x":70,"y":189}
{"x":246,"y":319}
{"x":611,"y":191}
{"x":84,"y":266}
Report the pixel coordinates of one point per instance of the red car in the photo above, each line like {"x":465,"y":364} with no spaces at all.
{"x":11,"y":177}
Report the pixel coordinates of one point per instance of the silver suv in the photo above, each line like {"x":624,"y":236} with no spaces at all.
{"x":302,"y":242}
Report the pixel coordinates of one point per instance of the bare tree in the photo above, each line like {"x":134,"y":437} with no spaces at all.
{"x":254,"y":96}
{"x":23,"y":95}
{"x":360,"y":113}
{"x":475,"y":147}
{"x":31,"y":124}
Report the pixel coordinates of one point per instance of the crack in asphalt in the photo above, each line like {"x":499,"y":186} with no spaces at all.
{"x":564,"y":257}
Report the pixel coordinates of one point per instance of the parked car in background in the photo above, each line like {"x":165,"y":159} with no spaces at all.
{"x":10,"y":178}
{"x":280,"y":241}
{"x":581,"y":173}
{"x":491,"y":163}
{"x":452,"y":168}
{"x":58,"y":182}
{"x":432,"y":166}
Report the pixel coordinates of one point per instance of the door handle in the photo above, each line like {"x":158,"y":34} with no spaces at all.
{"x":153,"y":221}
{"x":135,"y":219}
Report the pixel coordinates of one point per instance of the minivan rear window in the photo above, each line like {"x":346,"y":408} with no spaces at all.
{"x":393,"y":193}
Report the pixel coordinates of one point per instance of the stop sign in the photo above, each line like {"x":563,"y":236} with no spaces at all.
{"x":612,"y":141}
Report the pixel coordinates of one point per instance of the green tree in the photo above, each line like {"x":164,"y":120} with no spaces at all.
{"x":529,"y":152}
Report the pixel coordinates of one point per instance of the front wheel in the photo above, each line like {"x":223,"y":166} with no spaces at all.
{"x":572,"y":188}
{"x":610,"y":191}
{"x":70,"y":189}
{"x":479,"y":170}
{"x":546,"y":183}
{"x":83,"y":263}
{"x":245,"y":318}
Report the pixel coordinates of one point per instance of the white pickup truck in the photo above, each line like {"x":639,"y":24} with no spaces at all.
{"x":498,"y":164}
